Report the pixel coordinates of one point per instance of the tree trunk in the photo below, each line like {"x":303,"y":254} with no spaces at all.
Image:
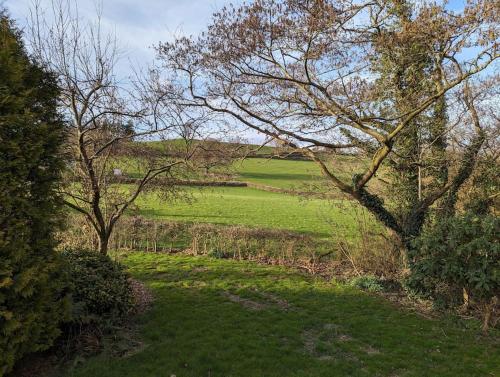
{"x":406,"y":231}
{"x":412,"y":228}
{"x":103,"y":243}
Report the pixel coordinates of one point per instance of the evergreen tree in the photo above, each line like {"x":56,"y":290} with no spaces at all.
{"x":409,"y":73}
{"x":32,"y":301}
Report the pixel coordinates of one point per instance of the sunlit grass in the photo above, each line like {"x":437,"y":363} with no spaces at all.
{"x":279,"y":173}
{"x":225,"y":318}
{"x":253,"y":207}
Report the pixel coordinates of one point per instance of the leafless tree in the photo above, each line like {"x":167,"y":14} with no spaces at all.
{"x":304,"y":72}
{"x":108,"y":117}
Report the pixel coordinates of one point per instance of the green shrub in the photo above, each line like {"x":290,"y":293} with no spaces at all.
{"x":100,"y":288}
{"x":32,"y":285}
{"x":459,"y":255}
{"x":368,"y":283}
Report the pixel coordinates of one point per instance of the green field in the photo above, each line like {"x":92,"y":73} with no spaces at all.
{"x":292,"y":174}
{"x":288,"y":174}
{"x":271,"y":172}
{"x":256,"y":208}
{"x":223,"y":318}
{"x":301,"y":175}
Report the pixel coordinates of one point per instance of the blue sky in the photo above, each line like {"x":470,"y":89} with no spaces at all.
{"x":139,"y":24}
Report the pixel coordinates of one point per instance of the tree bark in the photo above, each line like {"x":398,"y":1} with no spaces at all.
{"x":104,"y":242}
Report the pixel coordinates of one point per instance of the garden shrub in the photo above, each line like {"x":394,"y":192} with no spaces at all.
{"x":100,"y":288}
{"x":32,"y":285}
{"x":368,"y":283}
{"x":458,"y":258}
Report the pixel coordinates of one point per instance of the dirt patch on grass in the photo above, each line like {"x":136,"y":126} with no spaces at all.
{"x":200,"y":269}
{"x":143,"y":298}
{"x":344,"y":338}
{"x":370,"y":350}
{"x":320,"y":343}
{"x":266,"y":300}
{"x":310,"y":337}
{"x":272,"y":299}
{"x":245,"y":302}
{"x":325,"y":343}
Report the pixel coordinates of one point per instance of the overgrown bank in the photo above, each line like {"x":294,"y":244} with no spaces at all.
{"x":442,"y":276}
{"x":336,"y":255}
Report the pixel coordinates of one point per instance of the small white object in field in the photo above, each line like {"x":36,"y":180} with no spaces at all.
{"x":117,"y":172}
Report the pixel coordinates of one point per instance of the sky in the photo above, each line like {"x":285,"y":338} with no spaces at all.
{"x":139,"y":24}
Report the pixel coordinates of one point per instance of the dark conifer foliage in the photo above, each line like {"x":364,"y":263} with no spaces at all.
{"x":32,"y":299}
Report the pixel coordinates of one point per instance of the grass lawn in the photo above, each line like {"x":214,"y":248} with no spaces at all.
{"x":253,"y":207}
{"x":222,"y":318}
{"x":286,"y":174}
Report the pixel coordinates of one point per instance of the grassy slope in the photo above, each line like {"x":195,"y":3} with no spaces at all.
{"x":195,"y":330}
{"x":257,"y":208}
{"x":291,"y":174}
{"x":278,"y":173}
{"x":252,"y":207}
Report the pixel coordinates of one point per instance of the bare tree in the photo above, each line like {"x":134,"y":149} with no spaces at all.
{"x":305,"y":73}
{"x":214,"y":158}
{"x":100,"y":110}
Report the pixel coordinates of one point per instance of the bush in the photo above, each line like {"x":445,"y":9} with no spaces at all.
{"x":367,"y":283}
{"x":459,"y":258}
{"x":32,"y":285}
{"x":100,"y":288}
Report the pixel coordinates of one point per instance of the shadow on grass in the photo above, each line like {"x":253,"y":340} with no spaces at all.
{"x":226,"y":318}
{"x":280,"y":176}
